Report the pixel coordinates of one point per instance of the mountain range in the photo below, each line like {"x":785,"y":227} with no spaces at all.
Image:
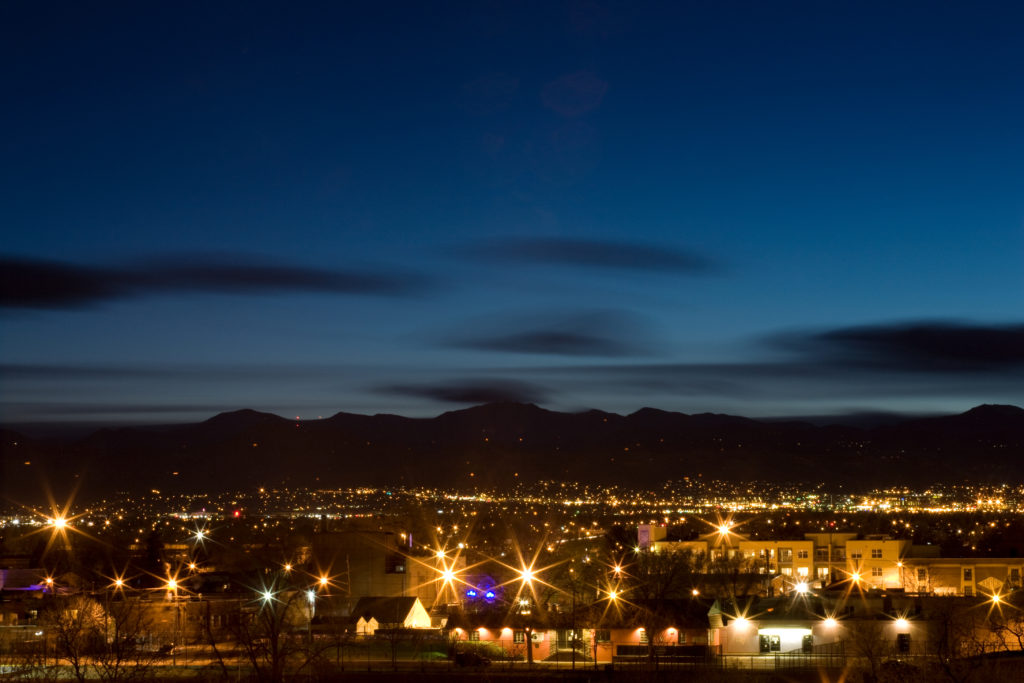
{"x":497,"y":444}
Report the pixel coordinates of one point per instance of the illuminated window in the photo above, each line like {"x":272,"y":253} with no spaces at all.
{"x":519,"y":637}
{"x":474,"y":634}
{"x":643,"y":636}
{"x":785,"y":554}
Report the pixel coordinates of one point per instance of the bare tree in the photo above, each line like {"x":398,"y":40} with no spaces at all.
{"x":119,"y":657}
{"x":77,"y":625}
{"x":867,"y":639}
{"x":272,"y":635}
{"x":959,"y":638}
{"x":657,"y":579}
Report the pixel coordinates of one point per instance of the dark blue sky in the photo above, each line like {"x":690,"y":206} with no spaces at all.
{"x":759,"y":208}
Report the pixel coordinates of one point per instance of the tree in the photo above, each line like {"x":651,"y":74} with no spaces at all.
{"x":272,"y":635}
{"x":656,"y":580}
{"x":868,"y":642}
{"x":959,"y":638}
{"x":78,"y":627}
{"x":119,"y":658}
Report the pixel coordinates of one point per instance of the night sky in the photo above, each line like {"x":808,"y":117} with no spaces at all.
{"x":757,"y":208}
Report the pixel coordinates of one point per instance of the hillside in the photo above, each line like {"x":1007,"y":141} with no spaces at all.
{"x":494,"y":444}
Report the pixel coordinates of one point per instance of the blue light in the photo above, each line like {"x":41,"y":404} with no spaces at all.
{"x":489,"y":595}
{"x":471,"y":593}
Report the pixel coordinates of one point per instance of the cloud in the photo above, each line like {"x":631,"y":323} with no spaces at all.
{"x":574,"y":94}
{"x":593,"y":254}
{"x":938,"y":347}
{"x":597,"y":334}
{"x":473,"y":391}
{"x":63,"y":409}
{"x":38,"y":284}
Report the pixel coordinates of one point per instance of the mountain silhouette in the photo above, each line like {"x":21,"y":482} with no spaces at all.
{"x":496,"y":444}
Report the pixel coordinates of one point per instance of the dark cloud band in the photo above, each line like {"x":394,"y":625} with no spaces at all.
{"x":594,"y":254}
{"x":28,"y":283}
{"x":477,"y":391}
{"x":920,"y":347}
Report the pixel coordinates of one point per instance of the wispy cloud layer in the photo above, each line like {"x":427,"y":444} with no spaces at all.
{"x":32,"y":283}
{"x":582,"y":253}
{"x":473,"y":391}
{"x":609,"y":334}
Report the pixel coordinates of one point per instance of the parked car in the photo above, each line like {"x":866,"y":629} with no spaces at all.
{"x":470,"y":659}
